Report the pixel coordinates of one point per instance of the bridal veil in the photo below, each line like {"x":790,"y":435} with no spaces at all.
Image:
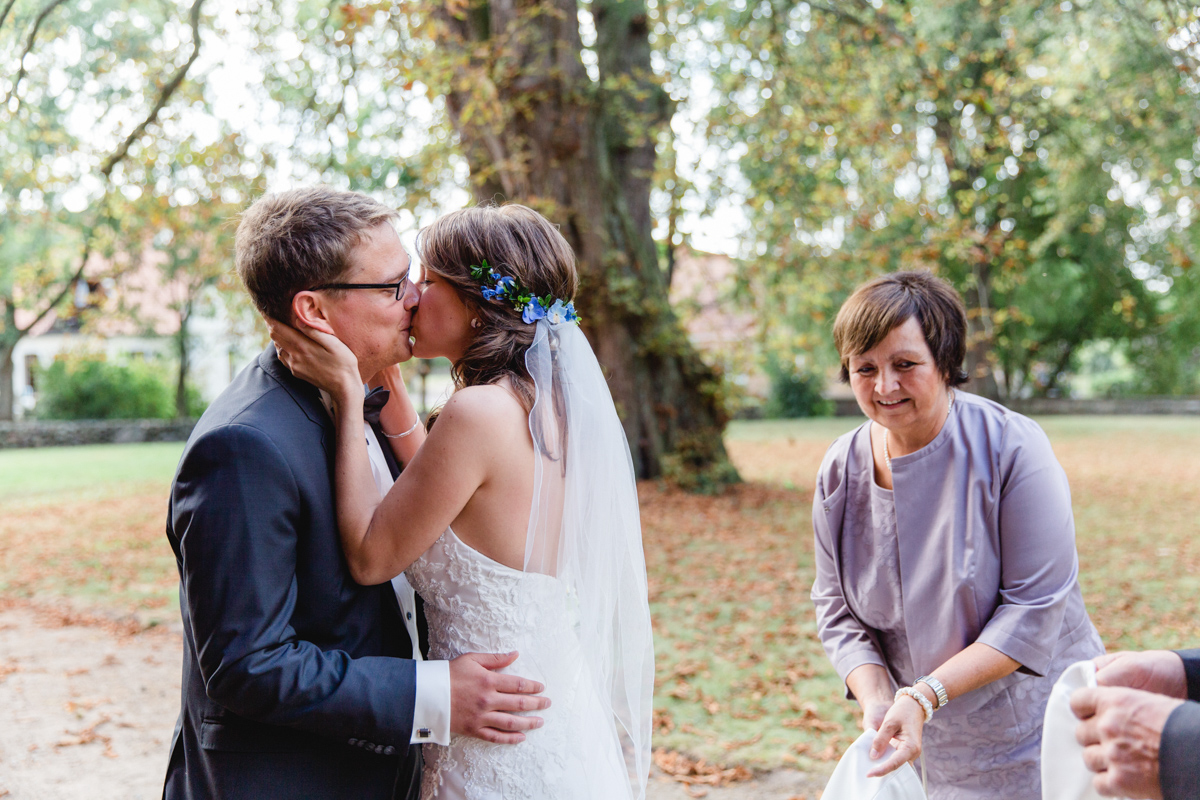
{"x":585,"y":529}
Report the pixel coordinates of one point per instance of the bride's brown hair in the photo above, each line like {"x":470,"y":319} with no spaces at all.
{"x":515,"y":241}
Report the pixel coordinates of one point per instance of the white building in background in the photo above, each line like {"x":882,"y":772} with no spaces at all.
{"x":218,"y":349}
{"x":40,"y":351}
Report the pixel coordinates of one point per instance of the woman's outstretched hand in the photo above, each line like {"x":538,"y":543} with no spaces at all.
{"x":902,"y":727}
{"x":319,"y":358}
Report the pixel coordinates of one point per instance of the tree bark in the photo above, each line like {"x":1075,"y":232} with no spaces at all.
{"x":582,"y":153}
{"x":7,"y":397}
{"x":981,"y":368}
{"x":183,"y":342}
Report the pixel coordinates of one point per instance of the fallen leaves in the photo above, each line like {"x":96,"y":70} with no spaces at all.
{"x":755,"y":739}
{"x":697,"y":772}
{"x":89,"y":735}
{"x":810,"y":719}
{"x":111,"y":553}
{"x":736,"y":654}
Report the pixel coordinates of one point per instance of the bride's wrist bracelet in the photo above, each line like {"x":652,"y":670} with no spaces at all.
{"x":408,"y":432}
{"x":919,"y":696}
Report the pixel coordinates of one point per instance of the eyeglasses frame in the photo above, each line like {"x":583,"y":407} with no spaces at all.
{"x":399,"y":286}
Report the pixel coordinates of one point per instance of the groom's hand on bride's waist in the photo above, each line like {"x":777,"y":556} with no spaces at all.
{"x":484,"y":703}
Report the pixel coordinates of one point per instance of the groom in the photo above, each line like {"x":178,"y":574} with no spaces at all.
{"x":298,"y":682}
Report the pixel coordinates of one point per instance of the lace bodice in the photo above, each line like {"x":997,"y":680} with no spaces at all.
{"x":475,"y":604}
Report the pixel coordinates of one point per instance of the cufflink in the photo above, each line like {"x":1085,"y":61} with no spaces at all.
{"x":424,"y":733}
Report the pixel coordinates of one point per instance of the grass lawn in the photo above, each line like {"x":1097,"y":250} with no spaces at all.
{"x":86,"y":525}
{"x":741,"y":677}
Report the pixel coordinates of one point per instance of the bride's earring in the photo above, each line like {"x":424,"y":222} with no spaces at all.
{"x":475,"y":322}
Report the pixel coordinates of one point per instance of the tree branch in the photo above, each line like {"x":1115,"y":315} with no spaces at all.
{"x":67,"y":286}
{"x":838,"y":13}
{"x":164,"y":96}
{"x":33,"y":32}
{"x":4,"y":13}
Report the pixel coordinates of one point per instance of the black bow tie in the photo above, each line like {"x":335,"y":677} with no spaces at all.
{"x":373,"y":403}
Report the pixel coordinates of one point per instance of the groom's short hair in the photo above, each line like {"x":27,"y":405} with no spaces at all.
{"x":299,"y":239}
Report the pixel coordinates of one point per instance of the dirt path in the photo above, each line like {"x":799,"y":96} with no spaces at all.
{"x":88,"y":711}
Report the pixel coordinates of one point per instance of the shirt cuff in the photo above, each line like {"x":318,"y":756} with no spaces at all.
{"x":431,"y":712}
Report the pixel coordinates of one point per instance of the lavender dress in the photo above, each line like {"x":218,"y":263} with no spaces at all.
{"x":976,"y":544}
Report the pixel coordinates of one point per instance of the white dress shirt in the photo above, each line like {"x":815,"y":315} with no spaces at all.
{"x":431,"y":712}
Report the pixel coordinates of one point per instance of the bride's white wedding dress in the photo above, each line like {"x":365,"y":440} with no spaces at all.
{"x":475,"y":604}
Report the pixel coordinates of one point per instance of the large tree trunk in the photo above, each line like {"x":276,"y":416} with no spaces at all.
{"x":536,"y":129}
{"x":6,"y":380}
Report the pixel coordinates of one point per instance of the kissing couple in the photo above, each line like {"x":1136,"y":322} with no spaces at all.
{"x":371,"y":610}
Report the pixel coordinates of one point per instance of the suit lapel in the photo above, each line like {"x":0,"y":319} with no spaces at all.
{"x":303,"y":393}
{"x":308,"y":398}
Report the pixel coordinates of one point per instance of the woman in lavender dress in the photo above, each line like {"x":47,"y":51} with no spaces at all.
{"x":946,"y":590}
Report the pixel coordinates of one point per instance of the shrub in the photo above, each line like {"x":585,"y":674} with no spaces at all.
{"x":90,"y":387}
{"x":794,"y":393}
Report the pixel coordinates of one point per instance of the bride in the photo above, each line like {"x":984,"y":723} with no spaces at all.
{"x":517,"y":519}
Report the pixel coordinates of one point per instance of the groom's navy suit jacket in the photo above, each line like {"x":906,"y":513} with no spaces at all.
{"x":296,"y":680}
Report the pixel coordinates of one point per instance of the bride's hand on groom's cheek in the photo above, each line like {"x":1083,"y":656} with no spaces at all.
{"x":317,"y":357}
{"x":485,"y":703}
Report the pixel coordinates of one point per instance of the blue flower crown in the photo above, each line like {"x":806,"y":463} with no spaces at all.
{"x":532,"y":308}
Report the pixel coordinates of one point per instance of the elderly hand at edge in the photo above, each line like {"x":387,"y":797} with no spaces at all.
{"x":319,"y":358}
{"x":1121,"y":728}
{"x":1158,"y":671}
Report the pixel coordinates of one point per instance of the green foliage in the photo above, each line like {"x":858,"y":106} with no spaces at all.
{"x":692,"y":467}
{"x":92,"y":96}
{"x":90,"y":387}
{"x":794,"y":392}
{"x":1040,"y":156}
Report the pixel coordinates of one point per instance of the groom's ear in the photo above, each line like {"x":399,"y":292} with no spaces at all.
{"x":308,"y":308}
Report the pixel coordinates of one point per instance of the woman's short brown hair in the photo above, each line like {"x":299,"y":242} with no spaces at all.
{"x":292,"y":241}
{"x":518,"y":242}
{"x":881,"y":305}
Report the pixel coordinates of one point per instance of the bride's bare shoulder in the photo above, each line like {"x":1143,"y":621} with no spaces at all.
{"x":491,"y":407}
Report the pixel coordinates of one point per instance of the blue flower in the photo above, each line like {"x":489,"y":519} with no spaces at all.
{"x":490,"y":294}
{"x":533,"y":312}
{"x":505,"y":286}
{"x":558,"y":313}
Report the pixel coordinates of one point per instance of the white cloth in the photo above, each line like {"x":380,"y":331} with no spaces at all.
{"x":431,"y":708}
{"x":850,"y":782}
{"x":1064,"y":775}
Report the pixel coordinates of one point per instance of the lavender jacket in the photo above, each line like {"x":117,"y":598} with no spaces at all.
{"x":986,"y":542}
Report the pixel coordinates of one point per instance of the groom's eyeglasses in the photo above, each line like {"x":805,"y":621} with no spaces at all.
{"x":399,"y":287}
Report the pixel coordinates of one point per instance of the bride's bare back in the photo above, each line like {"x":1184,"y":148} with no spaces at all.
{"x":495,"y":518}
